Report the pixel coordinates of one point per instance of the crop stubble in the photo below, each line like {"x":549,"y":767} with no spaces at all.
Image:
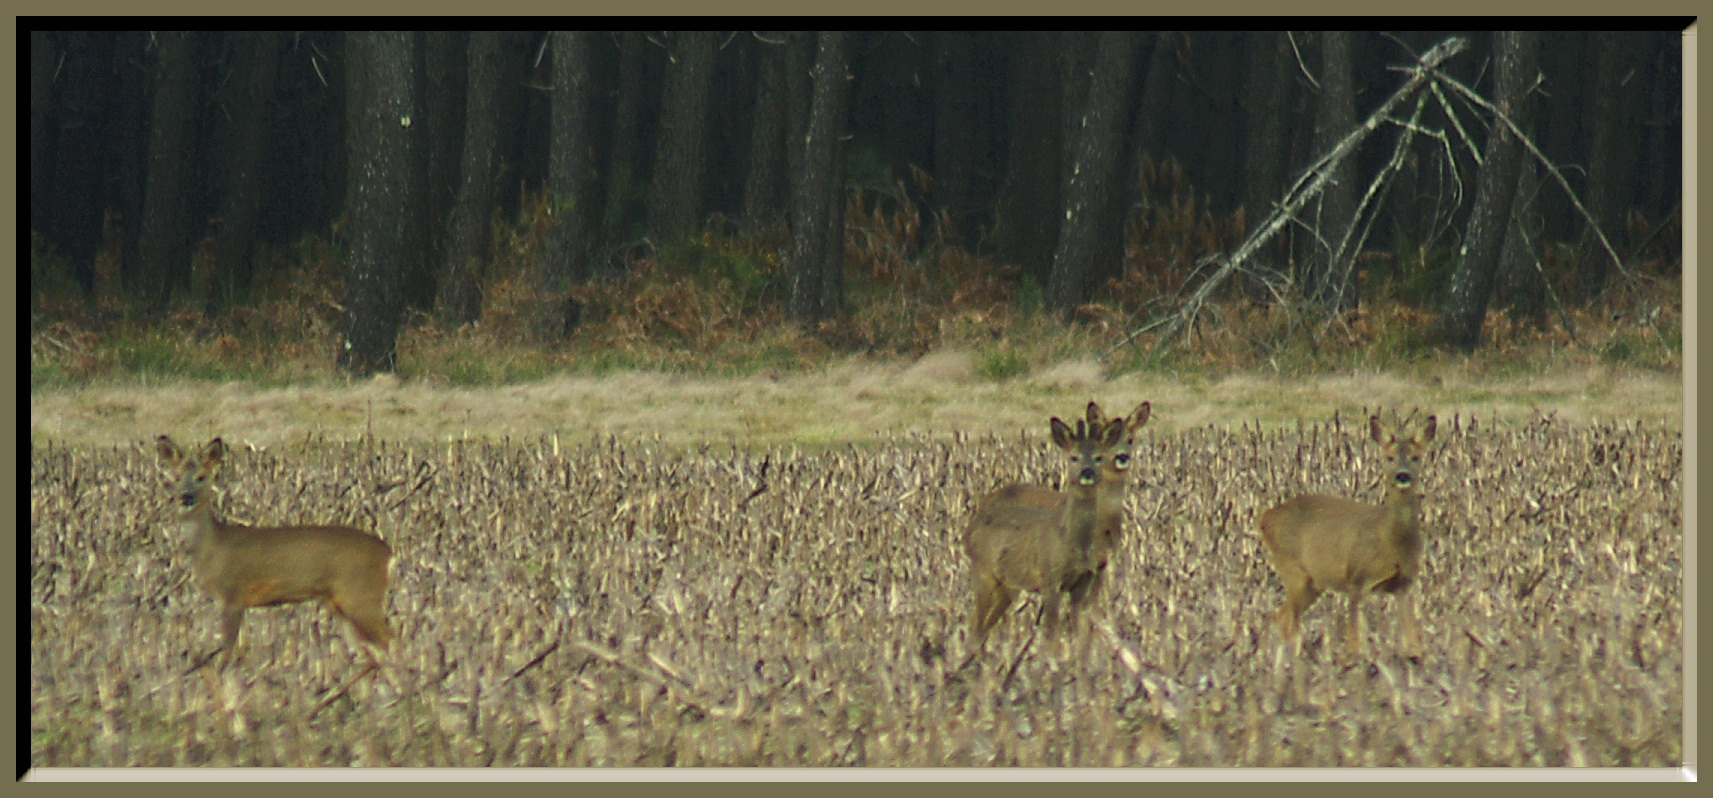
{"x":612,"y":603}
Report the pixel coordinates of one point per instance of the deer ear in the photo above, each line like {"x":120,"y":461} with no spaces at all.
{"x":1114,"y":433}
{"x":1061,"y":433}
{"x":214,"y":453}
{"x":171,"y":453}
{"x":1374,"y":429}
{"x":1139,"y":416}
{"x":1427,"y":432}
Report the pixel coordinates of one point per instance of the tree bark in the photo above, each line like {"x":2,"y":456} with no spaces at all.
{"x":377,"y":138}
{"x":437,"y":149}
{"x":255,"y":70}
{"x":1609,"y":123}
{"x":1266,"y":149}
{"x":1326,"y":269}
{"x":956,"y":112}
{"x":468,"y":236}
{"x":1470,"y":289}
{"x":1094,"y":151}
{"x":680,"y":162}
{"x":163,"y":246}
{"x":764,"y":184}
{"x":570,"y":178}
{"x":817,"y":212}
{"x":624,"y":190}
{"x":1026,"y":224}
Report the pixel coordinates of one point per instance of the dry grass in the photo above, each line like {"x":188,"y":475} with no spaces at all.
{"x":619,"y":602}
{"x":849,"y":401}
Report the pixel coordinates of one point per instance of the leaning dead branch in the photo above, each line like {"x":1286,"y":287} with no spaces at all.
{"x":1307,"y":186}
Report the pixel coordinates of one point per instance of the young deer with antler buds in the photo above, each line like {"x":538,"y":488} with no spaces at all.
{"x":1046,"y":549}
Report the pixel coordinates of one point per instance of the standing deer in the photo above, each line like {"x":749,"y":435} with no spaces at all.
{"x":1115,"y":481}
{"x":244,"y":567}
{"x":1317,"y":543}
{"x":1047,"y":549}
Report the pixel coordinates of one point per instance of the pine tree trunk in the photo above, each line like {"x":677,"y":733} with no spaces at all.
{"x":1470,"y":289}
{"x":1094,"y":149}
{"x":1327,"y":268}
{"x":163,"y":246}
{"x":257,"y":66}
{"x":467,"y":241}
{"x":817,"y":202}
{"x":764,"y":184}
{"x":1026,"y":224}
{"x":377,"y":140}
{"x":570,"y":177}
{"x":680,"y":162}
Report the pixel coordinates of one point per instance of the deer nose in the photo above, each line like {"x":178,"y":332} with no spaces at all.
{"x":1403,"y":479}
{"x":1087,"y":477}
{"x":188,"y":499}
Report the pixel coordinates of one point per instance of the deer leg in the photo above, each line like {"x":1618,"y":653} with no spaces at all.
{"x":1353,"y":629}
{"x":1409,"y":633}
{"x":1300,"y":592}
{"x":231,"y":624}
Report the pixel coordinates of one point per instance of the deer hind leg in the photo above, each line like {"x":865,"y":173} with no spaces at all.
{"x":992,"y":599}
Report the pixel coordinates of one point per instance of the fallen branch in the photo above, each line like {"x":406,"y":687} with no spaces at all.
{"x":1308,"y":185}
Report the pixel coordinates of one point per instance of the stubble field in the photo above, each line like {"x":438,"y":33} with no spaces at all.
{"x":604,"y":601}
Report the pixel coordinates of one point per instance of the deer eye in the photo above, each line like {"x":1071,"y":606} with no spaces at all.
{"x":1122,"y":460}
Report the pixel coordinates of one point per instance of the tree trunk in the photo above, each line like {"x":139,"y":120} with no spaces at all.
{"x":1608,"y":125}
{"x":437,"y":148}
{"x":956,"y":112}
{"x":764,"y":185}
{"x":1520,"y":280}
{"x":680,"y":162}
{"x":1026,"y":225}
{"x":255,"y":69}
{"x":163,"y":247}
{"x":1470,"y":289}
{"x":624,"y":190}
{"x":817,"y":199}
{"x":1326,"y":270}
{"x":377,"y":139}
{"x":1266,"y":150}
{"x":1094,"y":148}
{"x":467,"y":240}
{"x":44,"y":61}
{"x":571,"y":167}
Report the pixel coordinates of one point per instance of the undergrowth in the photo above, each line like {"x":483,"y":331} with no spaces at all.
{"x":714,"y":305}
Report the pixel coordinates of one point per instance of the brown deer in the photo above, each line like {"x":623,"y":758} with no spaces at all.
{"x":1048,"y":549}
{"x":244,"y":567}
{"x":1115,"y":481}
{"x":1319,"y":543}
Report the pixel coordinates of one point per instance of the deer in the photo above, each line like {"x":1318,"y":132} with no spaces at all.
{"x":1317,"y":543}
{"x":1048,"y":549}
{"x":243,"y":567}
{"x":1114,"y":486}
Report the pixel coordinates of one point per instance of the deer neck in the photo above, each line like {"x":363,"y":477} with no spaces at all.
{"x":1403,"y":509}
{"x":1081,"y":516}
{"x":1109,"y":503}
{"x":201,"y":523}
